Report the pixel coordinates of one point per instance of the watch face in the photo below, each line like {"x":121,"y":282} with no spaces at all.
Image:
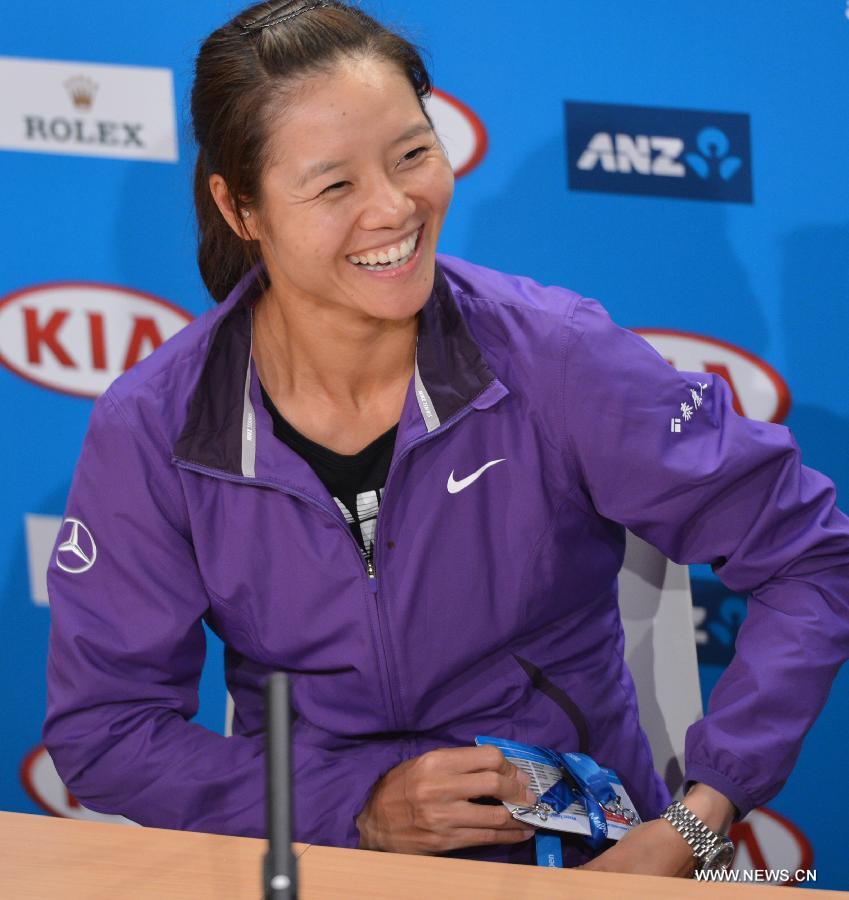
{"x":720,"y":857}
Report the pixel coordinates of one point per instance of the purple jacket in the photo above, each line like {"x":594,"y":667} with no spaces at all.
{"x":494,"y":606}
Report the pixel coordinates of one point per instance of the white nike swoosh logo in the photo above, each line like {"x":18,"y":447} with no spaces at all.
{"x":454,"y":487}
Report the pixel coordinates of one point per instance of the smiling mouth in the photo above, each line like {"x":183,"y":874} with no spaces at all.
{"x":390,"y":257}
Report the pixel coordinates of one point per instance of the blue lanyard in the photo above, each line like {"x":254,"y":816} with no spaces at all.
{"x":581,"y":779}
{"x":549,"y":849}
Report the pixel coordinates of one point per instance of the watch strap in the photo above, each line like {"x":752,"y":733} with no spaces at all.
{"x":702,"y":840}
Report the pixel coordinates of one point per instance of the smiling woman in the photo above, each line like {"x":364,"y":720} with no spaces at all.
{"x":328,"y":169}
{"x":354,"y":233}
{"x":251,"y":78}
{"x":405,"y":480}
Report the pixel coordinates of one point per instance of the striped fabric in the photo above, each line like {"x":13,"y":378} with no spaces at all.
{"x":363,"y":520}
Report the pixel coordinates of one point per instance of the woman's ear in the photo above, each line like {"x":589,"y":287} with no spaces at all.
{"x":242,"y":225}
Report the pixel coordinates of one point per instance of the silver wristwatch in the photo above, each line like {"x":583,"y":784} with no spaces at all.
{"x":714,"y":851}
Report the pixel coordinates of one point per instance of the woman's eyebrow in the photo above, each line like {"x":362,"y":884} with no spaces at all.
{"x":413,"y":131}
{"x":322,"y":168}
{"x":319,"y":168}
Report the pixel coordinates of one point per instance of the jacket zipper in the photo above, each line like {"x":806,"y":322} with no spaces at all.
{"x":392,"y":675}
{"x":370,"y":565}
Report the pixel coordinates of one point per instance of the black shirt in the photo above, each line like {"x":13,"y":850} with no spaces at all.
{"x":355,"y":482}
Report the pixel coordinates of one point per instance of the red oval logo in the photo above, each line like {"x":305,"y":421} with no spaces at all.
{"x":766,"y":841}
{"x":44,"y":786}
{"x":759,"y":391}
{"x":462,"y":133}
{"x":78,"y":337}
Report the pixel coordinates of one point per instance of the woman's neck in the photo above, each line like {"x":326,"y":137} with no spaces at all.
{"x":338,"y":377}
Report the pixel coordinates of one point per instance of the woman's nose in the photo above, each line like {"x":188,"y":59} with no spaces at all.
{"x":387,"y":205}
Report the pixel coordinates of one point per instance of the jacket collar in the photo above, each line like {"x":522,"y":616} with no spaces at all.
{"x":220,"y":430}
{"x":450,"y":370}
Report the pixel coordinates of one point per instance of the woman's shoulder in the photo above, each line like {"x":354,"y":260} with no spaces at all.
{"x":490,"y":286}
{"x":154,"y":394}
{"x":518,"y":313}
{"x":563,"y":311}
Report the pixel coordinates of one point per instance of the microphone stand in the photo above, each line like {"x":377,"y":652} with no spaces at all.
{"x":279,"y":871}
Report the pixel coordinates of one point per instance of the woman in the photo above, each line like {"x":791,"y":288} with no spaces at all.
{"x":506,"y":431}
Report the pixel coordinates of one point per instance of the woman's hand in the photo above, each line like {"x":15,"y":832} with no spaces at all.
{"x":653,"y":848}
{"x":422,"y":805}
{"x":656,"y":848}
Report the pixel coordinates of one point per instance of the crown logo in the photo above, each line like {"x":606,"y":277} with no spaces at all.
{"x":82,"y":91}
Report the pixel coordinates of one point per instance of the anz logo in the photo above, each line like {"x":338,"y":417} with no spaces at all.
{"x":658,"y":155}
{"x":648,"y":155}
{"x":714,"y":156}
{"x":660,"y":152}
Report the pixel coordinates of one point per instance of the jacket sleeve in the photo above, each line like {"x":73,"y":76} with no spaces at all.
{"x":126,"y":651}
{"x":731,"y":492}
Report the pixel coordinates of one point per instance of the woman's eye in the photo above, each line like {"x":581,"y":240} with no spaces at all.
{"x":413,"y":154}
{"x":334,"y":187}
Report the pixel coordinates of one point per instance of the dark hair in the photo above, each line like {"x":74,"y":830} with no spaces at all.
{"x":241,"y":76}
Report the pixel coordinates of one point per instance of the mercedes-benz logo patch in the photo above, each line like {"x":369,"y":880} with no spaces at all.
{"x":77,"y":551}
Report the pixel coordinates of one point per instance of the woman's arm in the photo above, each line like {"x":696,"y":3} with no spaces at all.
{"x":656,"y":848}
{"x":126,"y":651}
{"x":732,"y":492}
{"x":127,"y":647}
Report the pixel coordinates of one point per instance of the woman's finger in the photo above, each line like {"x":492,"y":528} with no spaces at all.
{"x":468,"y":759}
{"x":490,"y":784}
{"x":463,"y":814}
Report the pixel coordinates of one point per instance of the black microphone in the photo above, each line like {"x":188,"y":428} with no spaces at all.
{"x":280,"y":873}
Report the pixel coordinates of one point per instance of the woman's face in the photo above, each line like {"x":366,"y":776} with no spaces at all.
{"x":355,"y":194}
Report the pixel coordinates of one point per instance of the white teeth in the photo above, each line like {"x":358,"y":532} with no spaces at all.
{"x":387,"y":268}
{"x":388,"y":259}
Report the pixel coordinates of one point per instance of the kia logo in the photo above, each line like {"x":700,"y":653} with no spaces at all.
{"x":767,"y":840}
{"x":462,"y":133}
{"x":78,"y":337}
{"x":44,"y":786}
{"x":758,"y":391}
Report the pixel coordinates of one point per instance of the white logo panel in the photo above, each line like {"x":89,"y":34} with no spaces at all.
{"x":87,"y":109}
{"x":41,"y":532}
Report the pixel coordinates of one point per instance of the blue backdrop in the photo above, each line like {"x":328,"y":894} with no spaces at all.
{"x":747,"y":248}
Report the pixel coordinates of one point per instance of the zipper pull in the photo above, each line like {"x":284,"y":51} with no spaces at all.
{"x":372,"y":577}
{"x":369,"y":557}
